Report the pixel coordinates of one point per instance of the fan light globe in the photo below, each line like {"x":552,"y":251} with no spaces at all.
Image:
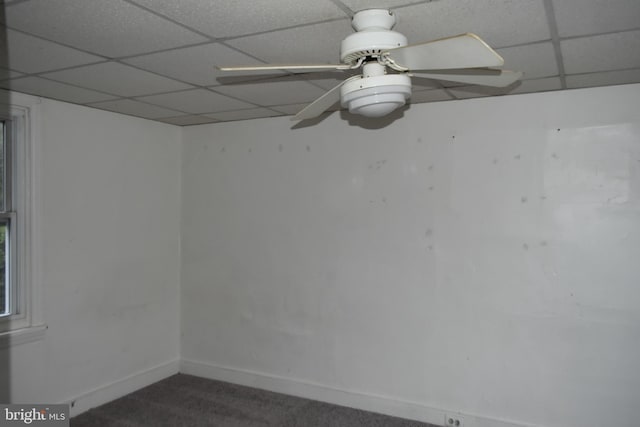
{"x":376,"y":96}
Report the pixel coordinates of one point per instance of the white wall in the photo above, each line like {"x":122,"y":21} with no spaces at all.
{"x":478,"y":256}
{"x":108,"y":213}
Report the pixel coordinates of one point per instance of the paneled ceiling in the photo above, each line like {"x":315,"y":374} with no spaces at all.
{"x":156,"y":58}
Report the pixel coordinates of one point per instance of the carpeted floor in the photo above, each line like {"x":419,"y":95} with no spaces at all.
{"x":184,"y":400}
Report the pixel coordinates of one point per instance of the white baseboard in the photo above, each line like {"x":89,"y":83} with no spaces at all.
{"x":368,"y":402}
{"x":122,"y":387}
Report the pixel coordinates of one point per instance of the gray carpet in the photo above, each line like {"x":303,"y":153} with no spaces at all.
{"x":185,"y":400}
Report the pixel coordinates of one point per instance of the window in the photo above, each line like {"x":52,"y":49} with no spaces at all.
{"x":8,"y":296}
{"x":19,"y":296}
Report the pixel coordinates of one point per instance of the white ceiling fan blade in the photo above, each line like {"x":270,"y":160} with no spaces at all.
{"x":296,"y":67}
{"x":321,"y":104}
{"x":463,"y":51}
{"x":484,"y":77}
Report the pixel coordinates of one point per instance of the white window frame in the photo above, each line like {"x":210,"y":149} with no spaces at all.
{"x":26,"y":324}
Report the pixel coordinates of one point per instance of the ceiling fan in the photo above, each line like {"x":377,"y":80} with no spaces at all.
{"x":388,"y":62}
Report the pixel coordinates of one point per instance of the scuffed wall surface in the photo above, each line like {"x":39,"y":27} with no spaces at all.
{"x":475,"y":256}
{"x":109,"y":219}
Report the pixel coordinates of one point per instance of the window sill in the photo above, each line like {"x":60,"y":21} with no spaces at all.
{"x":22,"y":336}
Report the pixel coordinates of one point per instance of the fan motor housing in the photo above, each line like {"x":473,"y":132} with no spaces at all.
{"x":373,"y":36}
{"x":369,"y":43}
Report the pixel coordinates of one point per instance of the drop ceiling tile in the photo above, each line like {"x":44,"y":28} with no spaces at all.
{"x":538,"y":85}
{"x":604,"y":79}
{"x":252,"y":113}
{"x":230,"y":18}
{"x":135,"y":108}
{"x":52,"y":89}
{"x":498,"y":22}
{"x":429,"y":96}
{"x":273,"y":92}
{"x":9,"y":74}
{"x":197,"y":64}
{"x":596,"y":16}
{"x":535,"y":60}
{"x":188,"y":120}
{"x":357,"y":5}
{"x":327,"y":80}
{"x":113,"y":28}
{"x":326,"y":84}
{"x":197,"y":101}
{"x":119,"y":79}
{"x":319,"y":43}
{"x":601,"y":53}
{"x":42,"y":55}
{"x":525,"y":86}
{"x":289,"y":109}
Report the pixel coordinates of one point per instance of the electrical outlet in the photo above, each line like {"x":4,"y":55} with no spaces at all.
{"x":453,"y":420}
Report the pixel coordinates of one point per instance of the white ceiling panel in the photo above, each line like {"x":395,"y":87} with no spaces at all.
{"x":500,"y":23}
{"x":577,"y":18}
{"x":273,"y":92}
{"x":43,"y":55}
{"x":164,"y":52}
{"x":538,"y":85}
{"x":535,"y":60}
{"x":318,"y":43}
{"x":230,"y":18}
{"x":602,"y":53}
{"x":526,"y":86}
{"x":55,"y":90}
{"x":606,"y":78}
{"x":197,"y":101}
{"x":113,"y":28}
{"x":327,"y":80}
{"x":9,"y":74}
{"x":118,"y":79}
{"x":289,"y":109}
{"x":196,"y":64}
{"x":357,"y":5}
{"x":252,"y":113}
{"x":135,"y":108}
{"x":188,"y":120}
